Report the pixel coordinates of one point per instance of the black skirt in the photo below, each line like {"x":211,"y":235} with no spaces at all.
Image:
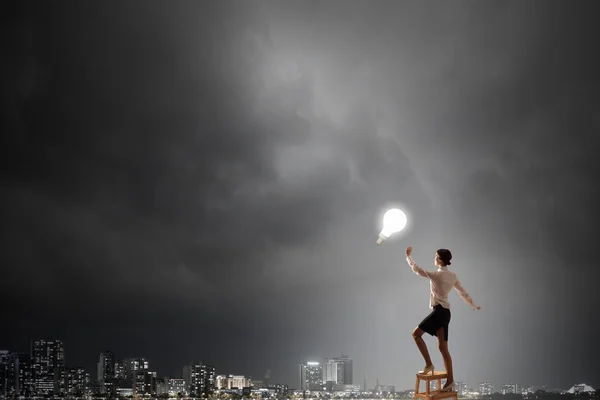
{"x":438,"y":318}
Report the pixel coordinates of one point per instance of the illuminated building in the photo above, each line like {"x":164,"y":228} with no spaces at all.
{"x":9,"y":374}
{"x":175,"y":386}
{"x":509,"y":388}
{"x":144,"y":382}
{"x":199,"y":379}
{"x":70,"y":381}
{"x":130,"y":365}
{"x":229,"y":382}
{"x":311,"y":376}
{"x":485,"y":388}
{"x":46,"y":356}
{"x":106,"y":371}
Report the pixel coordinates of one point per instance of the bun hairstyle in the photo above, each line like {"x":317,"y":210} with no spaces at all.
{"x":445,"y":256}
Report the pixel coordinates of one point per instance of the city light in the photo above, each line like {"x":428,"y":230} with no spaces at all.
{"x":44,"y":373}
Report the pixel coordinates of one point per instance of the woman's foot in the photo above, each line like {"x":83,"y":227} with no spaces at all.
{"x":427,"y":370}
{"x":448,"y":387}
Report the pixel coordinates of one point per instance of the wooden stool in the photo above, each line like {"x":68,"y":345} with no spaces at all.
{"x":428,"y":394}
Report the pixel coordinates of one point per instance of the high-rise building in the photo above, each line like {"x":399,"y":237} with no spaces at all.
{"x":71,"y":381}
{"x":348,"y":369}
{"x":25,"y":383}
{"x":144,"y":382}
{"x":191,"y":375}
{"x":175,"y":386}
{"x":333,"y":372}
{"x":106,"y":371}
{"x":485,"y":388}
{"x":338,"y":370}
{"x":461,"y":388}
{"x":119,"y":370}
{"x":106,"y":366}
{"x":199,"y":378}
{"x":221,"y":382}
{"x":509,"y":388}
{"x":161,"y":386}
{"x":130,"y":365}
{"x":209,"y":379}
{"x":311,"y":376}
{"x":9,"y":373}
{"x":46,"y":357}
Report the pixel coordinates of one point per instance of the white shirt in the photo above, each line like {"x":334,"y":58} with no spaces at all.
{"x":441,"y":282}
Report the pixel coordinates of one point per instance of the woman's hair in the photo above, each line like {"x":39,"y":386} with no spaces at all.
{"x":445,"y":256}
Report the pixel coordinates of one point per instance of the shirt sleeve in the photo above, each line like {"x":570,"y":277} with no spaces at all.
{"x":418,"y":270}
{"x":464,"y":295}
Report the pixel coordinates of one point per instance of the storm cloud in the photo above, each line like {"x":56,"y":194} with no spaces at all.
{"x":205,"y":180}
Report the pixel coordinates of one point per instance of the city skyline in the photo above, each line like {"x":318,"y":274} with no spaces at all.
{"x":122,"y":367}
{"x":207,"y":180}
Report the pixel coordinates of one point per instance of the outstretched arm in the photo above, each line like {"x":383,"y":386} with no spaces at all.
{"x":413,"y":265}
{"x":465,"y":296}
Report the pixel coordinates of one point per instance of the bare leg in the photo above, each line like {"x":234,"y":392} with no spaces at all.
{"x":443,"y":344}
{"x":417,"y":333}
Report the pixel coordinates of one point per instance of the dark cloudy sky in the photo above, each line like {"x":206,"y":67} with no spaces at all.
{"x":205,"y":180}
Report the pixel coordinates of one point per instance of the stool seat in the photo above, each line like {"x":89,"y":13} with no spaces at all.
{"x":429,"y":394}
{"x":435,"y":376}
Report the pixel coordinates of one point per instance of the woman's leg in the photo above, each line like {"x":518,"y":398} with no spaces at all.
{"x":417,"y":335}
{"x":443,"y":344}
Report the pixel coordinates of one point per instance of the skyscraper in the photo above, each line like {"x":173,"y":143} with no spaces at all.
{"x":106,"y":370}
{"x":461,"y":388}
{"x":119,"y":370}
{"x":70,"y":381}
{"x":485,"y":388}
{"x":9,"y":377}
{"x":333,"y":372}
{"x":509,"y":388}
{"x":46,"y":357}
{"x":199,"y":379}
{"x":144,"y":382}
{"x":338,"y":370}
{"x":130,"y":365}
{"x":106,"y":366}
{"x":311,"y":376}
{"x":175,"y":386}
{"x":25,"y":383}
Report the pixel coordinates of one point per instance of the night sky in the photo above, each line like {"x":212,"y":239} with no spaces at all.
{"x":205,"y":181}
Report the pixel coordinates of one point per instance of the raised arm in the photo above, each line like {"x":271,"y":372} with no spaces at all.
{"x":418,"y":270}
{"x":465,"y":296}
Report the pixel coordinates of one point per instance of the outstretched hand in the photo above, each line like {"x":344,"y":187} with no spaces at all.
{"x":408,"y":251}
{"x":478,"y":308}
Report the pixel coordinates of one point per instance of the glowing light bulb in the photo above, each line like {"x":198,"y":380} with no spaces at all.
{"x":394,"y":220}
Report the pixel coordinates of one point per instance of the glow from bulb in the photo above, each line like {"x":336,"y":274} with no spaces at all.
{"x":394,"y":220}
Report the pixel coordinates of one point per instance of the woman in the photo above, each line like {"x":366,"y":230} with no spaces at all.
{"x":436,"y":323}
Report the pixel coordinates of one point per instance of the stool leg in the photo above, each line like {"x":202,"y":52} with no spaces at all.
{"x":439,"y":385}
{"x":416,"y":388}
{"x":427,"y":386}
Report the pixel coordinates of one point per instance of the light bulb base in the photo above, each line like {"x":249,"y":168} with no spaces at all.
{"x":380,"y":239}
